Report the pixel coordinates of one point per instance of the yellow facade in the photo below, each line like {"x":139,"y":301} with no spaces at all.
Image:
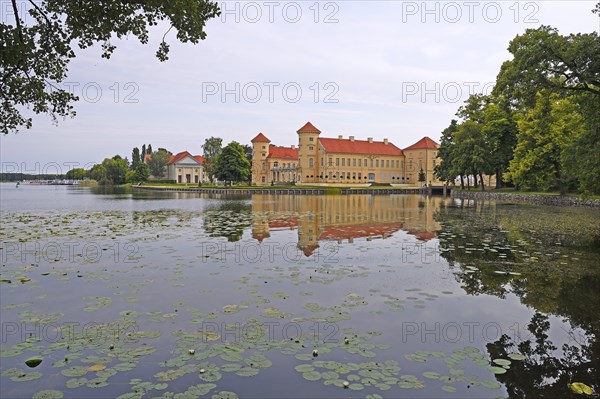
{"x":342,"y":161}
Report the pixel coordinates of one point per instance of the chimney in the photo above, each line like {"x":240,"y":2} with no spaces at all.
{"x":340,"y":137}
{"x":293,"y":147}
{"x":370,"y":139}
{"x":385,"y":141}
{"x":351,"y":138}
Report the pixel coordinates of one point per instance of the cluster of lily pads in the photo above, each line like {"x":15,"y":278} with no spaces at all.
{"x":170,"y":339}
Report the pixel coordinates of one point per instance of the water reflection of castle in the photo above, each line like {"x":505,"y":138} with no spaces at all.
{"x":344,"y":217}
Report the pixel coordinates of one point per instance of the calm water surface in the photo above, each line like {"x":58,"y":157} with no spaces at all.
{"x":176,"y":295}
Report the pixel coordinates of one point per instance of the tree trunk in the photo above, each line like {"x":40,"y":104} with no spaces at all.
{"x":498,"y":178}
{"x":462,"y":182}
{"x":482,"y":184}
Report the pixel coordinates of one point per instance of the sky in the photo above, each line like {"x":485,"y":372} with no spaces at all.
{"x":381,"y":69}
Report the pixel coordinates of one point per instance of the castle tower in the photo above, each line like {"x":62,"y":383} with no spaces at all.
{"x":260,"y":152}
{"x":308,"y":153}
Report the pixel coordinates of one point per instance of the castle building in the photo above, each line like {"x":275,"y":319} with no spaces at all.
{"x":341,"y":161}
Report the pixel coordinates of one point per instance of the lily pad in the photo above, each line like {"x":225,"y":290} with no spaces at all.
{"x":48,"y":394}
{"x":33,"y":362}
{"x":581,"y":388}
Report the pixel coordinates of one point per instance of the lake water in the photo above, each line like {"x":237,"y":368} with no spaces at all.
{"x":177,"y":295}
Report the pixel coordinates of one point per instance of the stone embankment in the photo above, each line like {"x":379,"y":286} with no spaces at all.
{"x":553,"y":200}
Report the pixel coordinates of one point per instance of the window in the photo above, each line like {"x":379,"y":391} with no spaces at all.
{"x":348,"y":161}
{"x":342,"y":175}
{"x":275,"y":164}
{"x":397,"y":163}
{"x":264,"y":147}
{"x":354,"y":175}
{"x":330,"y":161}
{"x":322,"y":162}
{"x":264,"y":165}
{"x":337,"y":162}
{"x":420,"y":164}
{"x":263,"y":180}
{"x":371,"y":162}
{"x":330,"y":175}
{"x":311,"y":162}
{"x":343,"y":161}
{"x":377,"y":163}
{"x":360,"y":162}
{"x":359,"y":175}
{"x":311,"y":148}
{"x":387,"y":163}
{"x":354,"y":162}
{"x":311,"y":139}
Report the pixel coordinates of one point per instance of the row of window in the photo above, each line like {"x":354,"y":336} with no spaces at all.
{"x":374,"y":163}
{"x":359,"y":176}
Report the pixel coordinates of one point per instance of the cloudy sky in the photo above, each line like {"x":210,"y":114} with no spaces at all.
{"x":381,"y":69}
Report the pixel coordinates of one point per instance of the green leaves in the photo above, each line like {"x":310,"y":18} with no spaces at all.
{"x":36,"y":55}
{"x":232,"y":164}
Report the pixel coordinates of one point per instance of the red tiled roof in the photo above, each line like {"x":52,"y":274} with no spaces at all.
{"x":283,"y":152}
{"x":182,"y":155}
{"x":422,"y":235}
{"x":260,"y":138}
{"x":308,"y":250}
{"x":147,"y":157}
{"x":425,"y":142}
{"x":308,"y":128}
{"x":283,"y":223}
{"x":359,"y":147}
{"x":357,"y":231}
{"x":261,"y":235}
{"x":199,"y":158}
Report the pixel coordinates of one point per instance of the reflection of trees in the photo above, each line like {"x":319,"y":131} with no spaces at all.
{"x":555,"y":254}
{"x":544,"y":373}
{"x":228,"y":219}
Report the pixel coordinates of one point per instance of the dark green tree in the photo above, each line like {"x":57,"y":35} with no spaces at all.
{"x":98,"y":173}
{"x":248,"y":151}
{"x":445,"y":170}
{"x":144,"y":152}
{"x":158,"y":162}
{"x":142,"y":172}
{"x":116,"y":170}
{"x":211,"y":150}
{"x":544,"y":59}
{"x":135,"y":158}
{"x":37,"y":48}
{"x":421,"y":176}
{"x":232,"y":164}
{"x":76,"y":174}
{"x":149,"y":149}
